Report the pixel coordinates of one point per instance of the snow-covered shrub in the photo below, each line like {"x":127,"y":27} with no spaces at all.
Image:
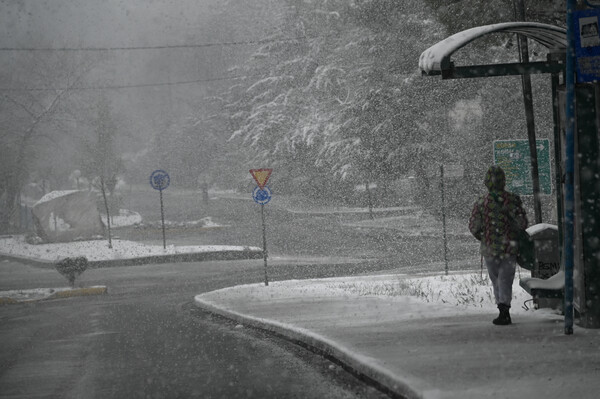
{"x":33,"y":239}
{"x":71,"y":268}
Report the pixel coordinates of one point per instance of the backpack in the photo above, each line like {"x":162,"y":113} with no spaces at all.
{"x":526,"y":254}
{"x":525,"y":245}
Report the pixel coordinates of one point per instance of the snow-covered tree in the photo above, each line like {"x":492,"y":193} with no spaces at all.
{"x":336,"y":90}
{"x":458,"y":15}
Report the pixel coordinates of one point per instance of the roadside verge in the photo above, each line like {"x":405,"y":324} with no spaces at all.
{"x":227,"y":254}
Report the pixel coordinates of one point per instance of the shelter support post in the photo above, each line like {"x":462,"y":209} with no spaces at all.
{"x":529,"y":118}
{"x":569,"y":167}
{"x":555,"y":79}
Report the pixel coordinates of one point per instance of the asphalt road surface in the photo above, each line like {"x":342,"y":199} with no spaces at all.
{"x":145,"y":339}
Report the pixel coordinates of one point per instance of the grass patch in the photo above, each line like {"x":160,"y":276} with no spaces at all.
{"x":459,"y":290}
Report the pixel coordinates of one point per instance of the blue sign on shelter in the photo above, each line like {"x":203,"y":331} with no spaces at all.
{"x":587,"y":45}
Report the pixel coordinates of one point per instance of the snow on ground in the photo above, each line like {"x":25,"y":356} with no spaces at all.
{"x":346,"y":210}
{"x":462,"y":289}
{"x":465,"y":291}
{"x":205,"y":222}
{"x":30,"y":295}
{"x":127,"y":218}
{"x":97,"y":250}
{"x":413,"y":224}
{"x":124,"y":218}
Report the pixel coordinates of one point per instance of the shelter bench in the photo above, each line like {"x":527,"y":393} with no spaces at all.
{"x":551,"y":288}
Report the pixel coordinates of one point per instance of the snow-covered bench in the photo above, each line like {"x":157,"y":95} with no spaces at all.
{"x":552,"y":287}
{"x":548,"y":293}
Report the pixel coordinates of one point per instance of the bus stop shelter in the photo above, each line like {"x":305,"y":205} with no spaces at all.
{"x":437,"y":61}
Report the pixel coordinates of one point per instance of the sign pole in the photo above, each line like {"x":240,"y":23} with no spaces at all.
{"x":162,"y":218}
{"x":264,"y":226}
{"x":160,"y":180}
{"x":262,"y":195}
{"x":529,"y":116}
{"x":444,"y":219}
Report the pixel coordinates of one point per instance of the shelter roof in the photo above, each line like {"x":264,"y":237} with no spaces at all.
{"x":436,"y":58}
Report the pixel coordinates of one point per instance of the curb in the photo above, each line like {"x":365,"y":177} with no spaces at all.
{"x":29,"y":261}
{"x":173,"y":258}
{"x":7,"y":301}
{"x":100,"y":290}
{"x":155,"y":259}
{"x":380,"y":378}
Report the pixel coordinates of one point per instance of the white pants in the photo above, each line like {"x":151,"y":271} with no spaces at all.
{"x":502,"y":274}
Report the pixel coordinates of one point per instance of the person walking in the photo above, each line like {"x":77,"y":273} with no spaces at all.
{"x":495,"y":221}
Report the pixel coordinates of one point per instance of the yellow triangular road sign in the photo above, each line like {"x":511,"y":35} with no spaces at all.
{"x":261,"y":176}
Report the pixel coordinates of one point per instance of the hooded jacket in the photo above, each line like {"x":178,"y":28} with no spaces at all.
{"x":497,"y":216}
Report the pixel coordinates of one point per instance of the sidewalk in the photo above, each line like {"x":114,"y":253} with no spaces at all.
{"x":416,"y":349}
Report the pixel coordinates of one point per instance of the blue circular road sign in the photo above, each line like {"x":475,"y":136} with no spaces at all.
{"x":159,"y":180}
{"x":263,"y":196}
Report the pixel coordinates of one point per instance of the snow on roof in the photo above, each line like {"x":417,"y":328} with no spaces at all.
{"x":55,"y":194}
{"x":437,"y":57}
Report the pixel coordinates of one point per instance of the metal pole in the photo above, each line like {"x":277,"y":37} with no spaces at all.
{"x":262,"y":212}
{"x":444,"y":219}
{"x":162,"y":218}
{"x":369,"y":200}
{"x":528,"y":103}
{"x":103,"y":189}
{"x":569,"y":167}
{"x":558,"y":161}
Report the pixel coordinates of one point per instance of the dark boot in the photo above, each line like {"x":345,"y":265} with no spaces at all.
{"x":503,"y":318}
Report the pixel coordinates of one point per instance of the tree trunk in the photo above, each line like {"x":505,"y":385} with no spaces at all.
{"x":369,"y":199}
{"x":103,"y":189}
{"x":18,"y":173}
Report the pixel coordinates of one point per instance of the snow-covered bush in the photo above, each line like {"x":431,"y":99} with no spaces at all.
{"x":33,"y":239}
{"x":71,"y":268}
